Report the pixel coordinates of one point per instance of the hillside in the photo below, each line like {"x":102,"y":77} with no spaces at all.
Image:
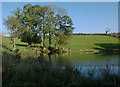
{"x":87,"y":42}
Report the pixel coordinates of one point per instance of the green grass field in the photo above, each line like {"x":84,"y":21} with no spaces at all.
{"x":84,"y":42}
{"x":75,"y":43}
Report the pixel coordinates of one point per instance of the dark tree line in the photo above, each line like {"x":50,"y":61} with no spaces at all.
{"x":35,"y":23}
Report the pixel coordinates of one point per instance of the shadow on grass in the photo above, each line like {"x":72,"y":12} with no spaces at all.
{"x":25,"y":45}
{"x":108,"y":48}
{"x":6,"y":48}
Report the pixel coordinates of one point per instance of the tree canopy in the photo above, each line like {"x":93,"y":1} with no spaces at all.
{"x":33,"y":23}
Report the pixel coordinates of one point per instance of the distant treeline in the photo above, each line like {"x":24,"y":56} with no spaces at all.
{"x":110,"y":34}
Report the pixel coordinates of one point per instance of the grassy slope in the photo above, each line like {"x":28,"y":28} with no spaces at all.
{"x":84,"y":42}
{"x":76,"y":42}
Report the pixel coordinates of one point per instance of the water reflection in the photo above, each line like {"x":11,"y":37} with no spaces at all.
{"x":82,"y":62}
{"x":86,"y":62}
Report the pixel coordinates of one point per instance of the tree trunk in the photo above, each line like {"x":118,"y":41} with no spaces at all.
{"x":56,"y":45}
{"x":49,"y":58}
{"x":13,"y":40}
{"x":50,"y":39}
{"x":29,"y":44}
{"x":43,"y":34}
{"x":43,"y":40}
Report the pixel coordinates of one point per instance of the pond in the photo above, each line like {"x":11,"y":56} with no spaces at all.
{"x":86,"y":62}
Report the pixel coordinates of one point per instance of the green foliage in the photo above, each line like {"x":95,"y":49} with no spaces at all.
{"x":34,"y":22}
{"x":63,"y":28}
{"x":30,"y":23}
{"x":45,"y":51}
{"x":59,"y":51}
{"x":13,"y":25}
{"x":33,"y":38}
{"x":63,"y":40}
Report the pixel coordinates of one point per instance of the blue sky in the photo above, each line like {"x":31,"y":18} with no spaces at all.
{"x":88,"y":17}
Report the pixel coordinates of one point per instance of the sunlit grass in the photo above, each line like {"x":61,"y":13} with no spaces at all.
{"x":84,"y":42}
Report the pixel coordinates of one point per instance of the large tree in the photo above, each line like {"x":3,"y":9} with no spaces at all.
{"x":13,"y":25}
{"x":50,"y":26}
{"x":44,"y":15}
{"x":55,"y":21}
{"x":66,"y":26}
{"x":41,"y":21}
{"x":63,"y":29}
{"x":29,"y":21}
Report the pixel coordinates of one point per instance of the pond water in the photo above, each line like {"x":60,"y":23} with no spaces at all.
{"x":86,"y":62}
